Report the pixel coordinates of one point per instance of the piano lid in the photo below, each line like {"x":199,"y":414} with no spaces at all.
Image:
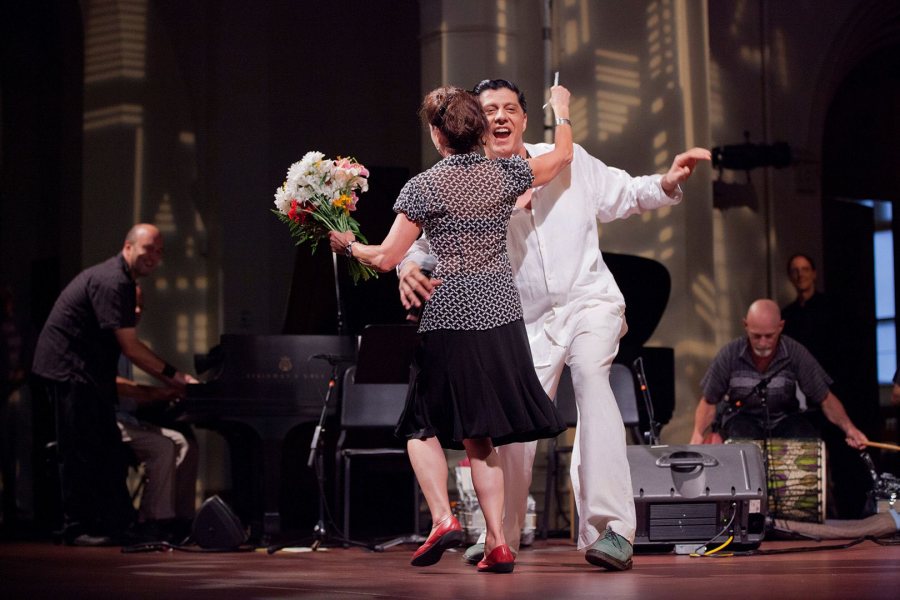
{"x":645,"y":284}
{"x":273,"y":364}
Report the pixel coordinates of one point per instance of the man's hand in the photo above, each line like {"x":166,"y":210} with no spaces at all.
{"x":185,"y":378}
{"x":339,"y":240}
{"x":559,"y":100}
{"x":180,"y":380}
{"x":682,"y":167}
{"x":415,"y":286}
{"x":856,"y":438}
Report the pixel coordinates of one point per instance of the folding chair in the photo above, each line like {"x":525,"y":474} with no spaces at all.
{"x":371,"y":407}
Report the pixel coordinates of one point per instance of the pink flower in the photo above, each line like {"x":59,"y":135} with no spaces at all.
{"x":350,"y":164}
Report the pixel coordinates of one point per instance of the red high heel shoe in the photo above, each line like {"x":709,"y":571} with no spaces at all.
{"x":448,"y":534}
{"x":500,"y":560}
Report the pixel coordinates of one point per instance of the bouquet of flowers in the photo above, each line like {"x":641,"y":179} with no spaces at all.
{"x":318,"y":196}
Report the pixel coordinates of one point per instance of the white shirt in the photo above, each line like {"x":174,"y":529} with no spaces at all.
{"x":553,"y":246}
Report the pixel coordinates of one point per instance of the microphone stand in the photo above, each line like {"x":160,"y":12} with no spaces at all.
{"x":315,"y":459}
{"x":762,"y":392}
{"x":337,"y":296}
{"x":652,"y":435}
{"x":316,"y":462}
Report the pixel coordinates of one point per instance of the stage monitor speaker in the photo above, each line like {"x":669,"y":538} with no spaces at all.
{"x":689,"y":494}
{"x":216,"y":527}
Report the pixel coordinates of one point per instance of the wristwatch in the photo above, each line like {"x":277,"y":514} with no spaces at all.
{"x":348,"y":249}
{"x":560,"y":121}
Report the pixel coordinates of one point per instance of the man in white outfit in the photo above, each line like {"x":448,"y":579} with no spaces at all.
{"x":574,"y":314}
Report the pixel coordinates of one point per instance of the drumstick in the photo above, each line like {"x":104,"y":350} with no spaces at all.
{"x":883,"y":445}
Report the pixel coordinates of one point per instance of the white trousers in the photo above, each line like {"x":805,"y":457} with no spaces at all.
{"x":601,"y":478}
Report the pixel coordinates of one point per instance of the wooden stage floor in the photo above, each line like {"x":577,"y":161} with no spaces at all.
{"x":546,"y":571}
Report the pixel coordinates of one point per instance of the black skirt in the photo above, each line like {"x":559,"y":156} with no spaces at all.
{"x":477,"y":384}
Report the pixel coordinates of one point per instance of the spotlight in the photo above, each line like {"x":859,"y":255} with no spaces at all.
{"x":744,"y":157}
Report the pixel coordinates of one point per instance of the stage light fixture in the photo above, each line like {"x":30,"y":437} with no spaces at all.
{"x":747,"y":156}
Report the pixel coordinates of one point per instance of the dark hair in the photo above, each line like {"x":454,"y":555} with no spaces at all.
{"x":499,"y":84}
{"x":458,"y":115}
{"x":812,"y":263}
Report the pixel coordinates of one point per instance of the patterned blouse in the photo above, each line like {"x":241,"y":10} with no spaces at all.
{"x":464,"y":203}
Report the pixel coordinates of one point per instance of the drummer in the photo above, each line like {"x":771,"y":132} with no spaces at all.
{"x":750,"y":389}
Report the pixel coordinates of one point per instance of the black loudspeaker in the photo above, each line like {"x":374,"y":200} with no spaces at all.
{"x":698,"y":494}
{"x":216,"y":527}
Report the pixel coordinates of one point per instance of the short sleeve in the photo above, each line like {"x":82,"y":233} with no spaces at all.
{"x":411,"y":201}
{"x":811,"y":377}
{"x":113,"y":301}
{"x":517,"y":176}
{"x":716,"y":381}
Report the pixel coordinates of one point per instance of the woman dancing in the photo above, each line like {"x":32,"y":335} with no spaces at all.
{"x":474,"y":385}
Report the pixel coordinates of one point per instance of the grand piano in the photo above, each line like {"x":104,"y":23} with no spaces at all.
{"x":256,"y":390}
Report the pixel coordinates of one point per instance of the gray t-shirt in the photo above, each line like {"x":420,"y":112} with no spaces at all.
{"x":464,"y":203}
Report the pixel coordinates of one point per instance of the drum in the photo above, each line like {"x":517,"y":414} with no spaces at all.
{"x":796,"y":478}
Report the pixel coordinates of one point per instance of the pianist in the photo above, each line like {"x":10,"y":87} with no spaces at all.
{"x":75,"y":364}
{"x":167,"y":450}
{"x":574,"y":314}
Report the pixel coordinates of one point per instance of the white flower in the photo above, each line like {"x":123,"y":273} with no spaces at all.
{"x":311,"y":157}
{"x":361,"y":183}
{"x":283,"y":200}
{"x":294,"y":175}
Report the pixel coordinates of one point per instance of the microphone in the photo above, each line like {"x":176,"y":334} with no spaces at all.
{"x":651,"y":435}
{"x":761,"y":389}
{"x":427,"y":268}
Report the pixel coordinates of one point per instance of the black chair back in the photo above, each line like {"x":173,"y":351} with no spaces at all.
{"x":621,"y":379}
{"x":622,"y":382}
{"x":371,"y":405}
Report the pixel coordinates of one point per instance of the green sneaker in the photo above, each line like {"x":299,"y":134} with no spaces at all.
{"x":611,"y":551}
{"x":473,"y":554}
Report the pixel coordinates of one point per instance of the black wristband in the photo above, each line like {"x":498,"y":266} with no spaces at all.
{"x":169,"y":371}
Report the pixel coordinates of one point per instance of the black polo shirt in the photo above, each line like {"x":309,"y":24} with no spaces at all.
{"x":813,"y":325}
{"x":78,"y":342}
